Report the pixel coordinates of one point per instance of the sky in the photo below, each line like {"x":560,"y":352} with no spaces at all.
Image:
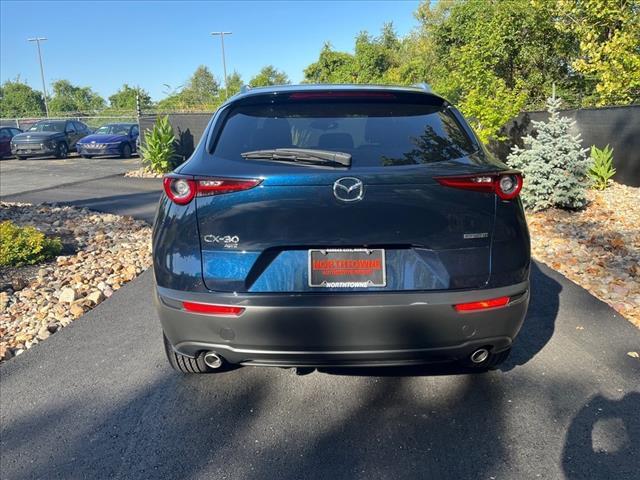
{"x":151,"y":43}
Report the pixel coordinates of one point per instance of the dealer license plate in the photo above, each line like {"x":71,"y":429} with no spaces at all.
{"x":347,"y":268}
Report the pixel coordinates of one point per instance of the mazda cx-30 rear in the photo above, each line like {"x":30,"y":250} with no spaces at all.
{"x":340,"y":226}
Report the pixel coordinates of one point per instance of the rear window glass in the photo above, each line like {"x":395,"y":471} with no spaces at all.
{"x":374,"y":133}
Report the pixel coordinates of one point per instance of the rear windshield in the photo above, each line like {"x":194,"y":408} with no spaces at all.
{"x":374,"y":133}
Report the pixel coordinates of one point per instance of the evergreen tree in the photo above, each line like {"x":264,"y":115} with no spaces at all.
{"x":554,"y":164}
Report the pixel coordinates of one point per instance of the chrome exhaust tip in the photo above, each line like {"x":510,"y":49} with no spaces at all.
{"x":480,"y":355}
{"x":212,"y":360}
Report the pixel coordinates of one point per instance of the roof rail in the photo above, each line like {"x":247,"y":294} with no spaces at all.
{"x":423,"y":86}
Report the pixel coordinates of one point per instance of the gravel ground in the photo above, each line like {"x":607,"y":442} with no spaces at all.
{"x":143,"y":172}
{"x":102,"y":252}
{"x":598,"y":247}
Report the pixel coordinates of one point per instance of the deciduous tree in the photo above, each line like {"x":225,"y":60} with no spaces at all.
{"x":608,"y":32}
{"x":269,"y":75}
{"x":68,"y":98}
{"x":125,"y":98}
{"x":17,"y":99}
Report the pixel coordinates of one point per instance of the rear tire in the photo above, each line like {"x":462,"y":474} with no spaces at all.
{"x":125,"y":151}
{"x":184,"y":364}
{"x":491,"y":363}
{"x":62,"y":150}
{"x":20,"y":157}
{"x":87,"y":156}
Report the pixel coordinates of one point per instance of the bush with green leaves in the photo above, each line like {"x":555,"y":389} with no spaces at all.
{"x":553,"y":163}
{"x":601,"y":169}
{"x":25,"y":245}
{"x":158,"y":151}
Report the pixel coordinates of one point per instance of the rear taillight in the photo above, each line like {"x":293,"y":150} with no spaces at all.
{"x":210,"y":309}
{"x":506,"y":185}
{"x":179,"y":190}
{"x":482,"y":305}
{"x":217,"y":186}
{"x":182,"y":190}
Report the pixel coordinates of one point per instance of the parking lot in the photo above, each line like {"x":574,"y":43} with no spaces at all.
{"x":20,"y":176}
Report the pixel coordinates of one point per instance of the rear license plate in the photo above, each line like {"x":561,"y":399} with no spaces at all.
{"x":347,"y":268}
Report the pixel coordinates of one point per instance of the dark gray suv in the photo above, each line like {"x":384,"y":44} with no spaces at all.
{"x":49,"y":138}
{"x":340,"y":226}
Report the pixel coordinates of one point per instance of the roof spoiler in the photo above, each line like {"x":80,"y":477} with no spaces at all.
{"x":423,"y":86}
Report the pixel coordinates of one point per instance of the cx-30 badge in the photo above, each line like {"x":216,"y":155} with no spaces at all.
{"x":348,"y":189}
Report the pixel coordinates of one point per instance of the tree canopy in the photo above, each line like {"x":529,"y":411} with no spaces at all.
{"x":68,"y":98}
{"x":125,"y":98}
{"x":608,"y":34}
{"x":201,"y":91}
{"x":17,"y":99}
{"x":269,"y":75}
{"x":496,"y":58}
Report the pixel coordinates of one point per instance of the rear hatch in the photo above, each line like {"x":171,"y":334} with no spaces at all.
{"x":419,"y":234}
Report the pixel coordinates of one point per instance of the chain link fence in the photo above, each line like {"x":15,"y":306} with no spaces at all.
{"x":92,"y":121}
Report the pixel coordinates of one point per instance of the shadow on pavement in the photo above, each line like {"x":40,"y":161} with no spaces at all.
{"x":539,"y":324}
{"x":603,"y":440}
{"x":181,"y":427}
{"x":147,"y":436}
{"x":398,"y":430}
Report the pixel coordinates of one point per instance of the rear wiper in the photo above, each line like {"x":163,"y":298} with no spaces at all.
{"x":301,"y":155}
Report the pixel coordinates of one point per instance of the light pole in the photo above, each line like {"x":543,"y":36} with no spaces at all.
{"x":44,"y":86}
{"x":224,"y":62}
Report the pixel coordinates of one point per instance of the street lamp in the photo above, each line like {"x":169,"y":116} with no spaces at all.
{"x":44,"y":86}
{"x":224,"y":63}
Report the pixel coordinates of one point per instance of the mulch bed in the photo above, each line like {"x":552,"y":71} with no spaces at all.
{"x":598,"y":248}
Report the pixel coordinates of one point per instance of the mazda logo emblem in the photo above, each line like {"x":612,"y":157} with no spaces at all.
{"x":348,"y":189}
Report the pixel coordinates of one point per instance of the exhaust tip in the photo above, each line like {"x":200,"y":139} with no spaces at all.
{"x":212,"y":360}
{"x":480,"y":355}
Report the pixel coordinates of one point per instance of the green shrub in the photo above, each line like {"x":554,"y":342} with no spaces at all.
{"x":25,"y":245}
{"x":601,"y":169}
{"x":553,"y":163}
{"x":158,"y":152}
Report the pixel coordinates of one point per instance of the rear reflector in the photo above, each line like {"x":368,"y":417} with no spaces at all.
{"x":482,"y":305}
{"x":210,"y":309}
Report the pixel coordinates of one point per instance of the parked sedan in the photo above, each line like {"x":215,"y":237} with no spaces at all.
{"x":110,"y":139}
{"x":49,"y":138}
{"x":6,"y":134}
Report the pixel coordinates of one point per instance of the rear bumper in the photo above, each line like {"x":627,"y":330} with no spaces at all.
{"x":343,"y":329}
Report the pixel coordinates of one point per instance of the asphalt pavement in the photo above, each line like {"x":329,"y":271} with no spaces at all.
{"x":21,"y":176}
{"x":98,"y":399}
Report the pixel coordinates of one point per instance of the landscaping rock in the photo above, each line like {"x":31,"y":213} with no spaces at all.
{"x":598,"y":247}
{"x":102,"y":252}
{"x":76,"y":310}
{"x":95,"y":297}
{"x":68,"y":295}
{"x":143,"y":172}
